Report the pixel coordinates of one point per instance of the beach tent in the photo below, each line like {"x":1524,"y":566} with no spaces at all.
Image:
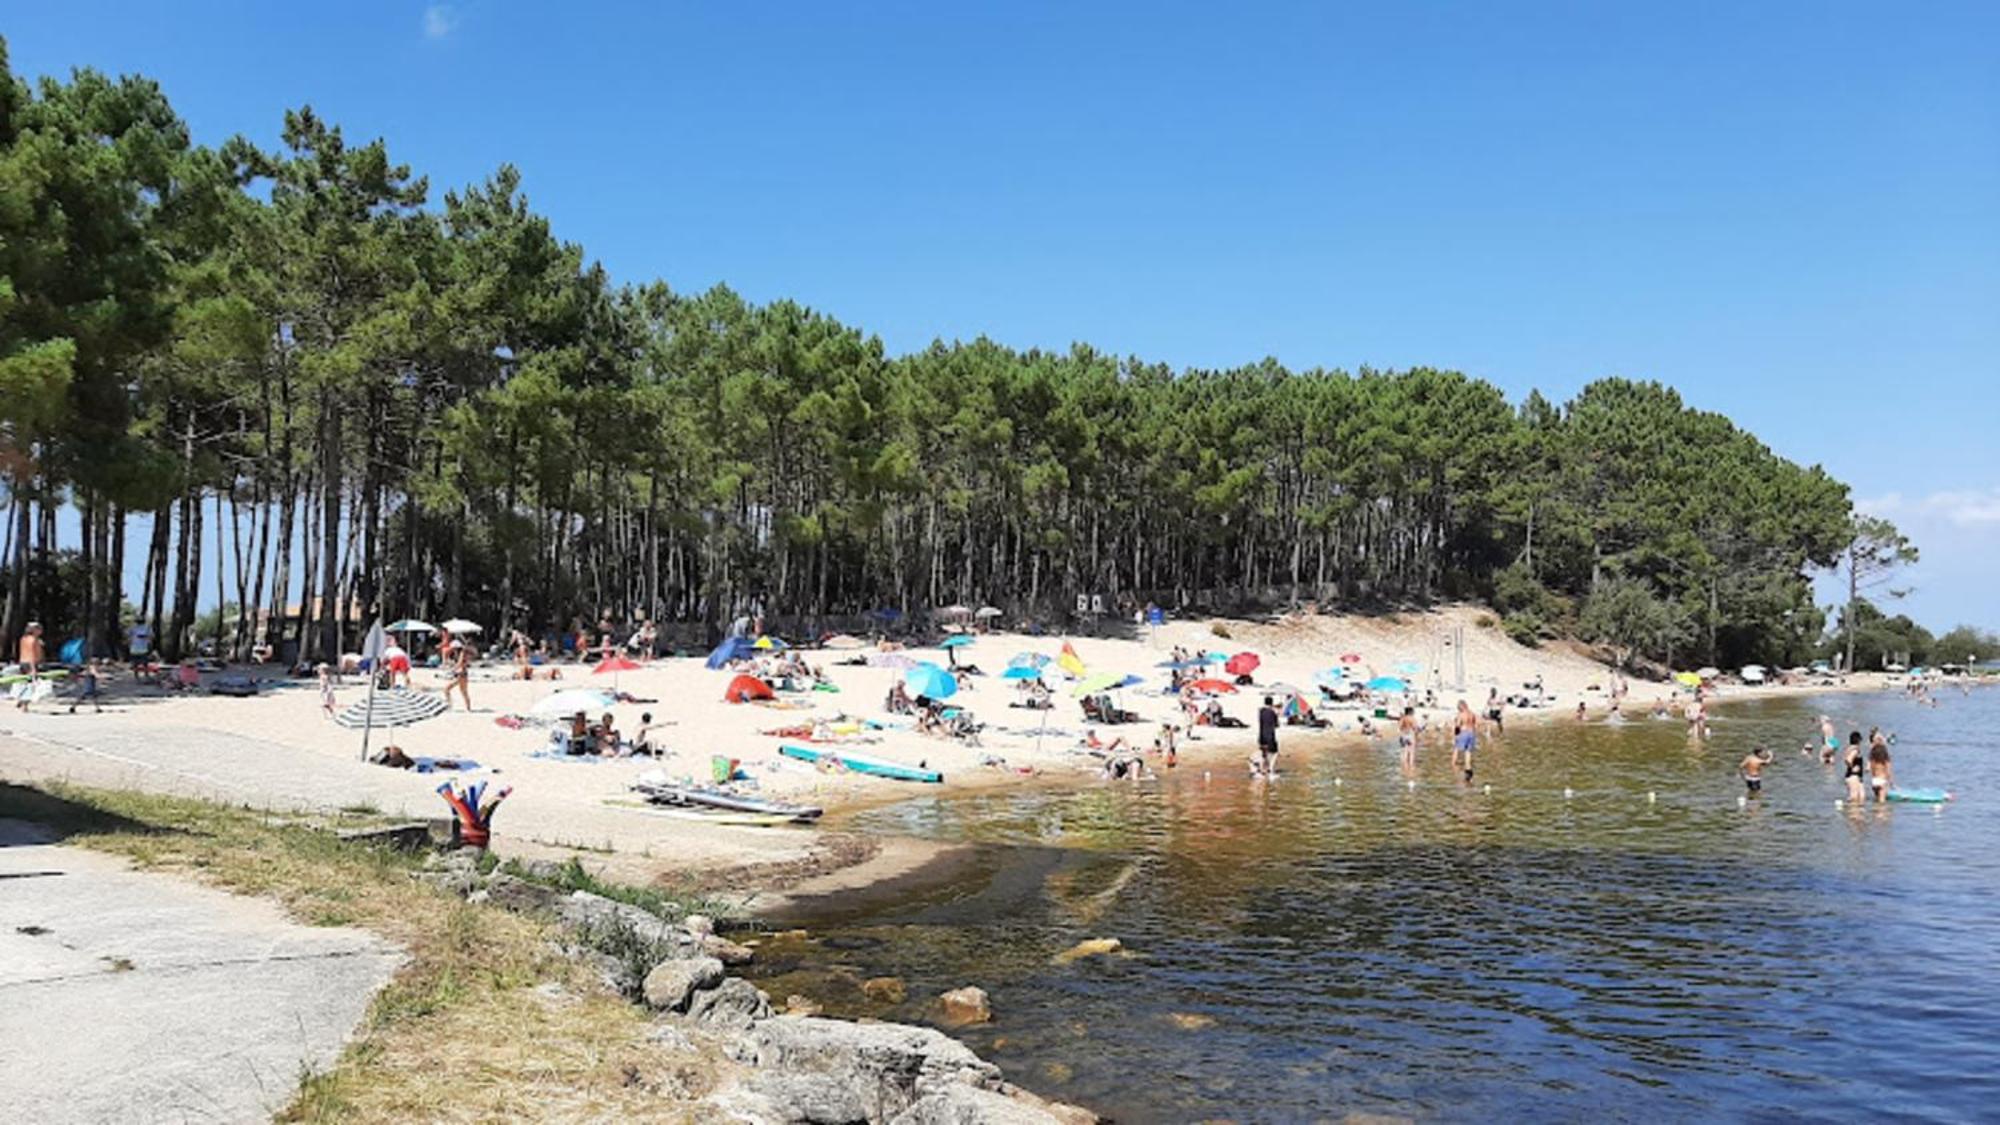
{"x":397,"y":707}
{"x":731,"y":648}
{"x":1242,"y":664}
{"x":590,"y":701}
{"x":743,"y":689}
{"x":930,"y":681}
{"x":1753,"y":673}
{"x":1070,"y":662}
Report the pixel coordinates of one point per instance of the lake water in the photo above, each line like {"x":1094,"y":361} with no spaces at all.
{"x":1336,"y":942}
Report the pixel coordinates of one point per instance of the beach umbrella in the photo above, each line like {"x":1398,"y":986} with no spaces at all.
{"x":1028,"y":660}
{"x":1350,"y":658}
{"x":1242,"y":664}
{"x":890,"y":660}
{"x":843,"y":642}
{"x":1280,"y":689}
{"x":1214,"y":687}
{"x":957,"y":611}
{"x":1330,"y":676}
{"x":1091,"y":685}
{"x":587,"y":700}
{"x":959,"y":641}
{"x":1179,"y":665}
{"x":990,"y":611}
{"x":1213,"y":657}
{"x":929,"y":680}
{"x":1689,"y":679}
{"x":1387,"y":683}
{"x":745,"y":688}
{"x":613,"y":665}
{"x":397,"y":707}
{"x":768,"y":643}
{"x":1407,"y":668}
{"x":1022,"y":672}
{"x":409,"y":625}
{"x":1709,"y":673}
{"x":461,"y":626}
{"x":1128,"y":681}
{"x":1070,"y":662}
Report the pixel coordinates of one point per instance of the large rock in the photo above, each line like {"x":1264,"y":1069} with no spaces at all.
{"x":671,"y":983}
{"x":724,"y":950}
{"x":734,"y":1004}
{"x":520,"y":895}
{"x":886,"y":1066}
{"x":885,"y":990}
{"x":962,"y":1006}
{"x":785,"y":1099}
{"x":968,"y":1105}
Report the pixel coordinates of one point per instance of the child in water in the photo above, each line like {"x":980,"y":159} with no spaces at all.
{"x":1752,"y":769}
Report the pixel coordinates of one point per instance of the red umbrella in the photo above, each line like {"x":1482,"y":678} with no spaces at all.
{"x":614,"y":665}
{"x":1213,"y":686}
{"x":743,"y":689}
{"x":1242,"y":664}
{"x":1350,"y":658}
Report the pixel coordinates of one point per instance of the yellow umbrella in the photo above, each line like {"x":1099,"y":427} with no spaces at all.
{"x":1688,"y":678}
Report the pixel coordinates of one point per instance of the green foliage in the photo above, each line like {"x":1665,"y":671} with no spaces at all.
{"x":1965,"y":643}
{"x":469,"y":418}
{"x":1626,"y":614}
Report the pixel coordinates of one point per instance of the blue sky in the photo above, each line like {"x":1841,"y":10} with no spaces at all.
{"x":1787,"y":211}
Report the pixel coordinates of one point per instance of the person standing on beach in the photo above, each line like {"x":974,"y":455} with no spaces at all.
{"x":1267,"y":738}
{"x":31,"y":654}
{"x":458,"y":658}
{"x":325,"y":689}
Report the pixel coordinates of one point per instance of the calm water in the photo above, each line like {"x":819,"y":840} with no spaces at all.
{"x":1306,"y":949}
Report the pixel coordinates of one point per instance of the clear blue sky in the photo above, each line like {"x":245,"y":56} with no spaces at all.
{"x":1791,"y":212}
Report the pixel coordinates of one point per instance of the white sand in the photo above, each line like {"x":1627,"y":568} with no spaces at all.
{"x":302,"y":758}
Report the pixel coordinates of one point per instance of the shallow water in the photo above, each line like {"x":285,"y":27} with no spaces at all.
{"x":1338,"y":942}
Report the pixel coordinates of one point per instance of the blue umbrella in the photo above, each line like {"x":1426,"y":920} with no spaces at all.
{"x":1407,"y":668}
{"x":1331,"y":676}
{"x":1387,"y":683}
{"x":731,"y":648}
{"x":1128,"y":681}
{"x":956,"y":640}
{"x":1028,"y":660}
{"x":1021,"y":672}
{"x":929,"y":680}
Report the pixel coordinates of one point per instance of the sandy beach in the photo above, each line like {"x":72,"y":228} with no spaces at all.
{"x":277,"y":750}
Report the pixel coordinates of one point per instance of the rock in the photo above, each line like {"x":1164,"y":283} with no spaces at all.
{"x":967,"y":1105}
{"x":886,"y":990}
{"x":887,"y":1066}
{"x":672,"y":1038}
{"x":1092,"y":947}
{"x":734,"y":1004}
{"x":520,"y":895}
{"x":547,"y":870}
{"x":725,"y":951}
{"x":587,"y":911}
{"x":698,"y":924}
{"x":671,"y":983}
{"x":786,"y":1099}
{"x":966,"y":1005}
{"x":796,"y":1005}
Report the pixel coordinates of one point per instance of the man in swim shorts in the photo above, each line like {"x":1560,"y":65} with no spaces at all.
{"x":1464,"y":739}
{"x":1406,"y":737}
{"x":1752,"y":769}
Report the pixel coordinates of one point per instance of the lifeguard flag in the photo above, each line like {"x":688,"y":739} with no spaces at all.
{"x":1070,"y":662}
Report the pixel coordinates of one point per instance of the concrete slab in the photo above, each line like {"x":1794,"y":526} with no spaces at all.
{"x":139,"y":997}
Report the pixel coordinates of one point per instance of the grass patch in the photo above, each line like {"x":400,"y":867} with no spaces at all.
{"x":571,"y":875}
{"x":487,"y":1021}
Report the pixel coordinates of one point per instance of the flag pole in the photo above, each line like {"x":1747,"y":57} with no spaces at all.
{"x":372,"y":650}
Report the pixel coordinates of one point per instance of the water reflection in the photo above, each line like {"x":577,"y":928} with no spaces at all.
{"x":1340,"y":941}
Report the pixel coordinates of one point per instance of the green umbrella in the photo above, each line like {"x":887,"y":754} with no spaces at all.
{"x":1103,"y":681}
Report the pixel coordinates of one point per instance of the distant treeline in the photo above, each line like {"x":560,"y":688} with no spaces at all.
{"x":444,"y":411}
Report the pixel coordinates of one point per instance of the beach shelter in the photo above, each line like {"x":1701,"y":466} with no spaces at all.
{"x":1242,"y":664}
{"x":461,"y":627}
{"x":1213,"y":686}
{"x":745,"y":688}
{"x":731,"y":648}
{"x":1687,"y":679}
{"x":397,"y":707}
{"x":930,"y":681}
{"x":768,"y":643}
{"x":587,"y":700}
{"x":1389,"y":684}
{"x":989,"y":611}
{"x":1022,"y":672}
{"x":1071,"y":663}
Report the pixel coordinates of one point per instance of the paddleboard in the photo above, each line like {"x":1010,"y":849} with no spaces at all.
{"x":862,"y":763}
{"x":1920,"y":796}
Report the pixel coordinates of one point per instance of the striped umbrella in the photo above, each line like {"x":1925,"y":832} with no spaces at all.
{"x":397,"y":707}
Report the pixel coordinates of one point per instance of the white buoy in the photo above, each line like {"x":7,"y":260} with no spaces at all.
{"x":1839,"y":804}
{"x":1741,"y":801}
{"x":1336,"y":783}
{"x":1413,"y":786}
{"x":1489,"y":789}
{"x":1205,"y":775}
{"x":1651,"y":796}
{"x":1568,"y":792}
